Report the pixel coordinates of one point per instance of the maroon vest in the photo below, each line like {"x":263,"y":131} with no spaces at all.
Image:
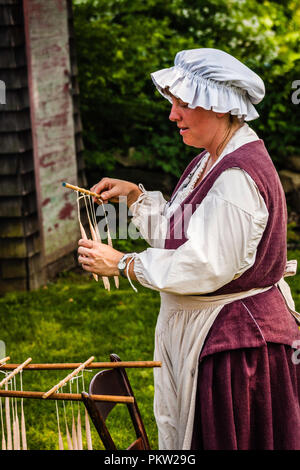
{"x":262,"y":318}
{"x":271,"y":252}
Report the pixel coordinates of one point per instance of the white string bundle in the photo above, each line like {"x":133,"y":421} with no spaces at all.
{"x":60,"y":440}
{"x":74,"y":435}
{"x":3,"y":444}
{"x":12,"y":417}
{"x":13,"y":430}
{"x":23,"y":424}
{"x":7,"y":420}
{"x":94,"y":230}
{"x":87,"y":423}
{"x":16,"y":428}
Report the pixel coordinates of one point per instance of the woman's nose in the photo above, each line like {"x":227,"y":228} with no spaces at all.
{"x":174,"y":114}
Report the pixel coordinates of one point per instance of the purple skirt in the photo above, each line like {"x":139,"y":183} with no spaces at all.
{"x":248,"y":399}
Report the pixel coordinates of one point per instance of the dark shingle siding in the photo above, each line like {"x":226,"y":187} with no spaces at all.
{"x":20,"y":261}
{"x":19,"y":229}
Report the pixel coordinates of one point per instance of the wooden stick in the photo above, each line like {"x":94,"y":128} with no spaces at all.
{"x":4,"y":360}
{"x":93,"y":365}
{"x":18,"y":369}
{"x":65,"y":396}
{"x":81,"y":190}
{"x":66,"y":379}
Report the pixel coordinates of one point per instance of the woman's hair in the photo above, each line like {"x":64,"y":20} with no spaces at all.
{"x":233,"y":121}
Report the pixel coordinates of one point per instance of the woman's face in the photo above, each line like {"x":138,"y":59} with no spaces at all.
{"x":198,"y":127}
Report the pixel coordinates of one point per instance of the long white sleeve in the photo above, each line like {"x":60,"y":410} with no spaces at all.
{"x":148,"y":215}
{"x":222,"y":239}
{"x":151,"y":212}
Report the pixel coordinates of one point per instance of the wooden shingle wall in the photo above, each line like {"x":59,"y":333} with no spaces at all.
{"x":19,"y":228}
{"x":70,"y":260}
{"x":21,"y":260}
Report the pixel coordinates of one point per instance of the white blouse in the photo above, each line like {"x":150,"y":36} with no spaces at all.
{"x":222,"y":234}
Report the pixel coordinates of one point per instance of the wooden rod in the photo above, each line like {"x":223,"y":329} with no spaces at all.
{"x":81,"y":190}
{"x":93,"y":365}
{"x":14,"y":372}
{"x":65,"y":396}
{"x":66,"y":379}
{"x":4,"y":360}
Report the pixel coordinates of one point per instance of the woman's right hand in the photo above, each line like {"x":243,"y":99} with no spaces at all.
{"x":111,"y":189}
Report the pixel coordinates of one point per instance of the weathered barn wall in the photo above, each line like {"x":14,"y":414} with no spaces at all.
{"x":19,"y":228}
{"x":51,"y":105}
{"x":41,"y":144}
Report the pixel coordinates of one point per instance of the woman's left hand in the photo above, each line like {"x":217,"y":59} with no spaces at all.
{"x":98,"y":258}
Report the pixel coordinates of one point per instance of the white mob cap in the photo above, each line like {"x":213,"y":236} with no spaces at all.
{"x":212,"y":79}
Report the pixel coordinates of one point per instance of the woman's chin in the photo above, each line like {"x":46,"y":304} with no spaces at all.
{"x":191,"y":142}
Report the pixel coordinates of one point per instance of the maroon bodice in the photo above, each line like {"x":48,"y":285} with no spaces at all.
{"x":270,"y":261}
{"x":262,"y":318}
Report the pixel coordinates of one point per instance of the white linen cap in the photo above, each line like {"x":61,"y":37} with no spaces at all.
{"x":212,"y":79}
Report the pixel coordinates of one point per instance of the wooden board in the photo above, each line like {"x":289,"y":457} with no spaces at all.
{"x":49,"y":77}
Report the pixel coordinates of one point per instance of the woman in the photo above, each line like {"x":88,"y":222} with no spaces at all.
{"x":226,"y":328}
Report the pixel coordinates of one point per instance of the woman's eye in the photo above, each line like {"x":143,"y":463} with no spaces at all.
{"x":183,"y":105}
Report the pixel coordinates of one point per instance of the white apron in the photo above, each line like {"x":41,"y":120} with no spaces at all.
{"x":182,"y":326}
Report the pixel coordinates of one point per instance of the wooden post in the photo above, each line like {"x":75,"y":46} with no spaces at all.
{"x":51,"y":108}
{"x":64,"y":396}
{"x":93,"y":365}
{"x":15,"y":372}
{"x":69,"y":377}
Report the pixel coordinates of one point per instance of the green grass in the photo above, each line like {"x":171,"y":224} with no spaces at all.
{"x":294,"y":281}
{"x":70,"y":320}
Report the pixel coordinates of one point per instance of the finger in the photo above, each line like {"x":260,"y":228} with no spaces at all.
{"x":84,"y":251}
{"x":85,"y":243}
{"x":107,"y":189}
{"x":86,"y":267}
{"x":84,"y":260}
{"x":103,"y":184}
{"x":112,"y":193}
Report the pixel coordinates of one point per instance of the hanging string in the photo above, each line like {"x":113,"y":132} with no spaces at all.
{"x":69,"y":440}
{"x":92,"y":208}
{"x":83,"y":234}
{"x":2,"y":427}
{"x":2,"y":423}
{"x":60,"y":440}
{"x":23,"y":425}
{"x":93,"y":235}
{"x":94,"y":227}
{"x":93,"y":214}
{"x":79,"y":430}
{"x":74,"y":433}
{"x":8,"y":421}
{"x":88,"y":434}
{"x":16,"y":420}
{"x":109,"y":239}
{"x":14,"y":434}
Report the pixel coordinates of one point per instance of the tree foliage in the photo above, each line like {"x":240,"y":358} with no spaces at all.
{"x":120,"y":42}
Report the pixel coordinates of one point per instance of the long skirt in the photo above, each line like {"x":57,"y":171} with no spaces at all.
{"x":248,"y":399}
